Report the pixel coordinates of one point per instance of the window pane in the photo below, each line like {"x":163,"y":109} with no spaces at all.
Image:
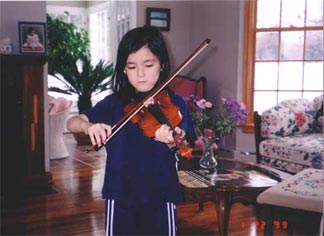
{"x":267,"y":46}
{"x":314,"y":45}
{"x":313,"y":76}
{"x":314,"y":15}
{"x":264,"y":100}
{"x":282,"y":96}
{"x":268,"y":13}
{"x":311,"y":95}
{"x":290,"y":75}
{"x":266,"y":74}
{"x":293,"y":13}
{"x":292,"y":44}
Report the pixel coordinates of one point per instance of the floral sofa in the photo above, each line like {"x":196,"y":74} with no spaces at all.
{"x":289,"y":136}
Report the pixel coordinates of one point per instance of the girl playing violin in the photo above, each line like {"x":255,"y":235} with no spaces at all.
{"x":141,"y":184}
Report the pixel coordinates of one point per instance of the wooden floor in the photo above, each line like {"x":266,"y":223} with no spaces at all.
{"x":74,"y":206}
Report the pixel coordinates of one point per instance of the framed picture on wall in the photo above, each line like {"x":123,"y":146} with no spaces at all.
{"x":158,"y":17}
{"x":32,"y":37}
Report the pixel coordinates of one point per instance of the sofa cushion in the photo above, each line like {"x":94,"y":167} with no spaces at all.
{"x":319,"y":117}
{"x":282,"y":120}
{"x":297,"y":104}
{"x":297,"y":151}
{"x":316,"y":109}
{"x":316,"y":104}
{"x":318,"y":120}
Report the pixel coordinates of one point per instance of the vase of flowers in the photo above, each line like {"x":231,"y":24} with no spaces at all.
{"x":208,"y":159}
{"x":211,"y":129}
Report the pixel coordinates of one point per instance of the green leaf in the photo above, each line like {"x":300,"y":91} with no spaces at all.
{"x":67,"y":46}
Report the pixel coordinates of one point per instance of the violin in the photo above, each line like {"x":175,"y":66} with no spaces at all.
{"x":166,"y":113}
{"x":162,"y":111}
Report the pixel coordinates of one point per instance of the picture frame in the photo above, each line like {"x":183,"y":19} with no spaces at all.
{"x":158,"y":17}
{"x":32,"y":37}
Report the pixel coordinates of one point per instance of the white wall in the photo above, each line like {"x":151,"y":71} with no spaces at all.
{"x":11,"y":12}
{"x":178,"y":38}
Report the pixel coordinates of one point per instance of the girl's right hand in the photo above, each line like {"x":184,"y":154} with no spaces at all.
{"x":98,"y":132}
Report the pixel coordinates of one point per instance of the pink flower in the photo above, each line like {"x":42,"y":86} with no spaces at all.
{"x":242,"y":106}
{"x":208,"y":105}
{"x":203,"y":104}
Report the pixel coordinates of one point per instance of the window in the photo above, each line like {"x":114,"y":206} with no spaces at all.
{"x":99,"y":35}
{"x":283,"y":52}
{"x":108,"y":22}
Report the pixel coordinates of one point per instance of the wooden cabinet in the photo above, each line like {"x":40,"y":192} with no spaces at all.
{"x":22,"y":126}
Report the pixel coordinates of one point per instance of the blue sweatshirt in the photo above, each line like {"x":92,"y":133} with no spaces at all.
{"x":137,"y":167}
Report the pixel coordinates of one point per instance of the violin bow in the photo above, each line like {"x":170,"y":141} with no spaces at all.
{"x":123,"y":121}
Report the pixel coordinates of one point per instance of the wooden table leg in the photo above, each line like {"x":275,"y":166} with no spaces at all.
{"x":223,"y":205}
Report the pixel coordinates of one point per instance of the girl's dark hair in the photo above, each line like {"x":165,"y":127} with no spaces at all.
{"x":131,"y":42}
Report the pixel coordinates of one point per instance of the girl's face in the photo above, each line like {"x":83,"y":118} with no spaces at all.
{"x":142,"y":69}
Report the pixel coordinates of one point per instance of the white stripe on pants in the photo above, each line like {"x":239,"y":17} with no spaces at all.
{"x":110,"y":217}
{"x":171,"y":219}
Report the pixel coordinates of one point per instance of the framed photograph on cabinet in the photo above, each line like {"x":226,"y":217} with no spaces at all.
{"x":32,"y":37}
{"x":158,"y":17}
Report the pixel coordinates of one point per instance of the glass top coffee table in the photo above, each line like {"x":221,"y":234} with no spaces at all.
{"x":232,"y":181}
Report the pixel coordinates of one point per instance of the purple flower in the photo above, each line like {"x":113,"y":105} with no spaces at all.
{"x":231,"y":114}
{"x":237,"y":110}
{"x":191,"y":97}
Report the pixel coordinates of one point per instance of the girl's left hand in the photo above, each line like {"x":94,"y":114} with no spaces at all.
{"x":164,"y":134}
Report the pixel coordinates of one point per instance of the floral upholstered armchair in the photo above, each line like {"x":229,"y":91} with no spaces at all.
{"x":289,"y":136}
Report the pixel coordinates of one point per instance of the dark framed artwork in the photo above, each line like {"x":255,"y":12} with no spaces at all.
{"x":32,"y":37}
{"x":158,"y":17}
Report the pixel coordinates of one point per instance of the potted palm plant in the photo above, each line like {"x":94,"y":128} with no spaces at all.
{"x":70,"y":62}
